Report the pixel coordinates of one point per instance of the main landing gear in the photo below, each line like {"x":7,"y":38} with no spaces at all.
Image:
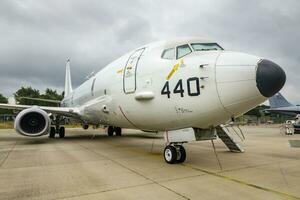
{"x":60,"y":131}
{"x":174,"y":153}
{"x":56,"y":128}
{"x":111,"y":130}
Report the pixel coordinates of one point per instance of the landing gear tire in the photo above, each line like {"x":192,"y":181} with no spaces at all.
{"x":85,"y":126}
{"x":181,"y":154}
{"x":170,"y":154}
{"x":118,"y":131}
{"x":110,"y":131}
{"x":61,"y":132}
{"x":52,"y":132}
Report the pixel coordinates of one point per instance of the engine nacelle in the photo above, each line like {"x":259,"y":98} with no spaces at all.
{"x":32,"y":122}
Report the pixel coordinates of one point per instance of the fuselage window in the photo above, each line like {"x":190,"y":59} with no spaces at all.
{"x":168,"y":54}
{"x":206,"y":47}
{"x":183,"y":50}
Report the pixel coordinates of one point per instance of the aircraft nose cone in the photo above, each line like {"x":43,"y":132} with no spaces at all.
{"x":270,"y":78}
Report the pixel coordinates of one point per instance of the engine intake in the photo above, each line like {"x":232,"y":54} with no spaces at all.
{"x":32,"y":122}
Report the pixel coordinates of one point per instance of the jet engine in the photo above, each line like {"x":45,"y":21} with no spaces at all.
{"x":32,"y":122}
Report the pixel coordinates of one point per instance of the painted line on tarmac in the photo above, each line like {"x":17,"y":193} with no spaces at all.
{"x":290,"y":196}
{"x":104,"y":191}
{"x":8,"y":153}
{"x":134,"y":171}
{"x":286,"y":195}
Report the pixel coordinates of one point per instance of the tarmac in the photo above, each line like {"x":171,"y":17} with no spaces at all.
{"x":90,"y":165}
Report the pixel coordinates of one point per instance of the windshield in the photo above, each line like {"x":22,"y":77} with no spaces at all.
{"x":168,"y":54}
{"x":183,"y":50}
{"x":206,"y":47}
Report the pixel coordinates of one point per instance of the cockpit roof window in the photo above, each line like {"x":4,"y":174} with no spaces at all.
{"x":168,"y":53}
{"x":206,"y":47}
{"x":183,"y":50}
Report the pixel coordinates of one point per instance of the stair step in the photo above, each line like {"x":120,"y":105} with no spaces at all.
{"x":224,"y":135}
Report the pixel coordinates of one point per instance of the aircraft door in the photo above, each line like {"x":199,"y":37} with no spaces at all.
{"x":129,"y":75}
{"x":93,"y":87}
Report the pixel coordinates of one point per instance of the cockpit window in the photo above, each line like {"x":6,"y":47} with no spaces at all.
{"x":206,"y":47}
{"x":183,"y":50}
{"x":168,"y":53}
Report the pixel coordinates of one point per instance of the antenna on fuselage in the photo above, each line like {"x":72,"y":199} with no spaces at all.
{"x":68,"y":81}
{"x":90,"y":75}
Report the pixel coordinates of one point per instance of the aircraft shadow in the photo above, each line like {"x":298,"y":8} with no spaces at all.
{"x":74,"y":137}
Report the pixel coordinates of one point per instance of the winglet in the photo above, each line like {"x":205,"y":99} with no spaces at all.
{"x":68,"y":81}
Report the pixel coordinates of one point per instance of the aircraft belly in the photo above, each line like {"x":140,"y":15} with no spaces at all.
{"x":105,"y":111}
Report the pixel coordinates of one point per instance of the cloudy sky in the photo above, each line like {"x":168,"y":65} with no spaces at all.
{"x":37,"y":36}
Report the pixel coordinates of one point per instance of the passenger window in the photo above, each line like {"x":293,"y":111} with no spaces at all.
{"x":168,"y":53}
{"x":183,"y":50}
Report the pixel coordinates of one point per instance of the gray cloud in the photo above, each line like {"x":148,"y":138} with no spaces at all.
{"x":37,"y":36}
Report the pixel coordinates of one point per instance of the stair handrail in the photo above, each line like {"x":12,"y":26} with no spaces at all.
{"x":239,"y":133}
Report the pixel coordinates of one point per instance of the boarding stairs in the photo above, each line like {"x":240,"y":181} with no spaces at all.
{"x":232,"y":136}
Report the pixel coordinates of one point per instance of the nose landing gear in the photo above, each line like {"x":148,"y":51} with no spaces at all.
{"x":174,"y":153}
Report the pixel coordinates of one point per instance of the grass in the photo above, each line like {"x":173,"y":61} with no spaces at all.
{"x":7,"y":125}
{"x":10,"y":125}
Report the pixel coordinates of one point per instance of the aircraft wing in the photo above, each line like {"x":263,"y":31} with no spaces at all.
{"x":43,"y":100}
{"x":293,"y":110}
{"x":65,"y":111}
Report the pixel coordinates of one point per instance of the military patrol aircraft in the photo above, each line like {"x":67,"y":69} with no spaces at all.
{"x":278,"y":104}
{"x":186,"y":88}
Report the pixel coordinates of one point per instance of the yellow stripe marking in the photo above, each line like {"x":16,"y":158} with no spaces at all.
{"x":175,"y":68}
{"x":120,"y":71}
{"x":228,"y":178}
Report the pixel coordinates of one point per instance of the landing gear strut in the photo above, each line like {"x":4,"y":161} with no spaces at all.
{"x":111,"y":130}
{"x":174,"y":153}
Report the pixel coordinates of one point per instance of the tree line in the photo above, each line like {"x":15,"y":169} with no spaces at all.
{"x":21,"y":96}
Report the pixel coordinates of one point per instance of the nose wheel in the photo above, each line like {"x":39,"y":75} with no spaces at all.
{"x":174,"y":154}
